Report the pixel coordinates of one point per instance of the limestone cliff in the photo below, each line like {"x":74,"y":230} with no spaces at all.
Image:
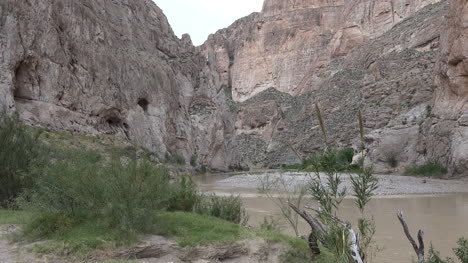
{"x":446,"y":133}
{"x":106,"y":66}
{"x":374,"y":56}
{"x":110,"y":67}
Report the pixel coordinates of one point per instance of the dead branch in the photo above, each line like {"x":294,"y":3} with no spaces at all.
{"x":354,"y":237}
{"x":317,"y":233}
{"x":418,"y":249}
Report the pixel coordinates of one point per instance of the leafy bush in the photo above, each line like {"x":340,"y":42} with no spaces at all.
{"x":175,"y":158}
{"x":229,"y":208}
{"x":462,"y":250}
{"x":184,"y":196}
{"x":19,"y":148}
{"x":434,"y":257}
{"x":431,"y":169}
{"x":122,"y":193}
{"x":339,"y":160}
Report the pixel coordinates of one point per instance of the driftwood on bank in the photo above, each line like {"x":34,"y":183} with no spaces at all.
{"x":318,"y":232}
{"x":355,"y":249}
{"x":418,"y":249}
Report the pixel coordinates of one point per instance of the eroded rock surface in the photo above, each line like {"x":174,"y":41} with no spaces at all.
{"x":446,"y":133}
{"x":111,"y":67}
{"x":248,"y":93}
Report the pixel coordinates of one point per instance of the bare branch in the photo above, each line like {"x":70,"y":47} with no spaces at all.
{"x":418,"y":249}
{"x":317,"y":230}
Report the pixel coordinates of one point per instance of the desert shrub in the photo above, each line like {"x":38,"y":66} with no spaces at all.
{"x":345,"y":156}
{"x":391,"y":159}
{"x":19,"y":149}
{"x":462,"y":250}
{"x":124,"y":194}
{"x":433,"y":256}
{"x":431,"y":169}
{"x":47,"y":224}
{"x":184,"y":195}
{"x":229,"y":208}
{"x":339,"y":160}
{"x":175,"y":159}
{"x":193,"y":160}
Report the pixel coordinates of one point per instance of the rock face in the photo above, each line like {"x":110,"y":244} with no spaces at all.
{"x":345,"y":56}
{"x":247,"y":94}
{"x":110,"y":67}
{"x":446,"y":133}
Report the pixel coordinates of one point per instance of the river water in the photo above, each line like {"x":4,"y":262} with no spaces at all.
{"x":444,"y":218}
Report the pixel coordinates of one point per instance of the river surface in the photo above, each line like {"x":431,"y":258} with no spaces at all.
{"x":444,"y":218}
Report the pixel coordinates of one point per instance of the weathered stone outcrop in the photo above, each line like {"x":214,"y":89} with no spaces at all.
{"x":110,"y":67}
{"x":446,"y":133}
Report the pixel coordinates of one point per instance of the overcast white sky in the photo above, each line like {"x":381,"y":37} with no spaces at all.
{"x":199,"y":18}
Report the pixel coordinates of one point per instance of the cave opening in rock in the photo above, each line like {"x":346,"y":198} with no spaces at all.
{"x":113,"y":121}
{"x":143,"y":103}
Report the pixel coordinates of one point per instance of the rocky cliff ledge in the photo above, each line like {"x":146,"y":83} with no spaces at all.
{"x":246,"y":94}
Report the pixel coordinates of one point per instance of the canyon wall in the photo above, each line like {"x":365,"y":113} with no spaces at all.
{"x":446,"y":133}
{"x":248,"y":93}
{"x":111,"y":67}
{"x":375,"y":56}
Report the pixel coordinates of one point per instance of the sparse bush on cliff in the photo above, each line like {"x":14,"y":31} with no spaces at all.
{"x":19,"y":149}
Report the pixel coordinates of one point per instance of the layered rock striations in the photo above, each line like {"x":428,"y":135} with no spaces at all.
{"x":345,"y":56}
{"x":248,"y":93}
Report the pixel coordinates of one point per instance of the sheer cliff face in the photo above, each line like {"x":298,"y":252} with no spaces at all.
{"x":374,"y":56}
{"x":109,"y":67}
{"x":290,"y":40}
{"x":106,"y":66}
{"x":447,"y":132}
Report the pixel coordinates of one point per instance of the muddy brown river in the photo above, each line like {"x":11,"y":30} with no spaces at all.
{"x":443,"y":217}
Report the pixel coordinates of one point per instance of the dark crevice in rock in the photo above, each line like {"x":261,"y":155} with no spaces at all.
{"x":143,"y":103}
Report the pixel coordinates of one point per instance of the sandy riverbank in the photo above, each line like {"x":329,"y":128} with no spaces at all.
{"x":388,"y":184}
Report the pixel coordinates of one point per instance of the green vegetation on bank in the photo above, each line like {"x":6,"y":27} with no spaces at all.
{"x":431,"y":169}
{"x":84,"y":194}
{"x":340,"y":160}
{"x":11,"y":217}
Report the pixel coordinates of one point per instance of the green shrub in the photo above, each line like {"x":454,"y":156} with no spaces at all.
{"x":19,"y":149}
{"x":122,"y":193}
{"x":229,"y":208}
{"x":462,"y":250}
{"x":433,"y":256}
{"x":193,"y":161}
{"x":391,"y":159}
{"x":184,"y":196}
{"x":48,"y":224}
{"x":175,"y":158}
{"x":339,"y":160}
{"x":431,"y":169}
